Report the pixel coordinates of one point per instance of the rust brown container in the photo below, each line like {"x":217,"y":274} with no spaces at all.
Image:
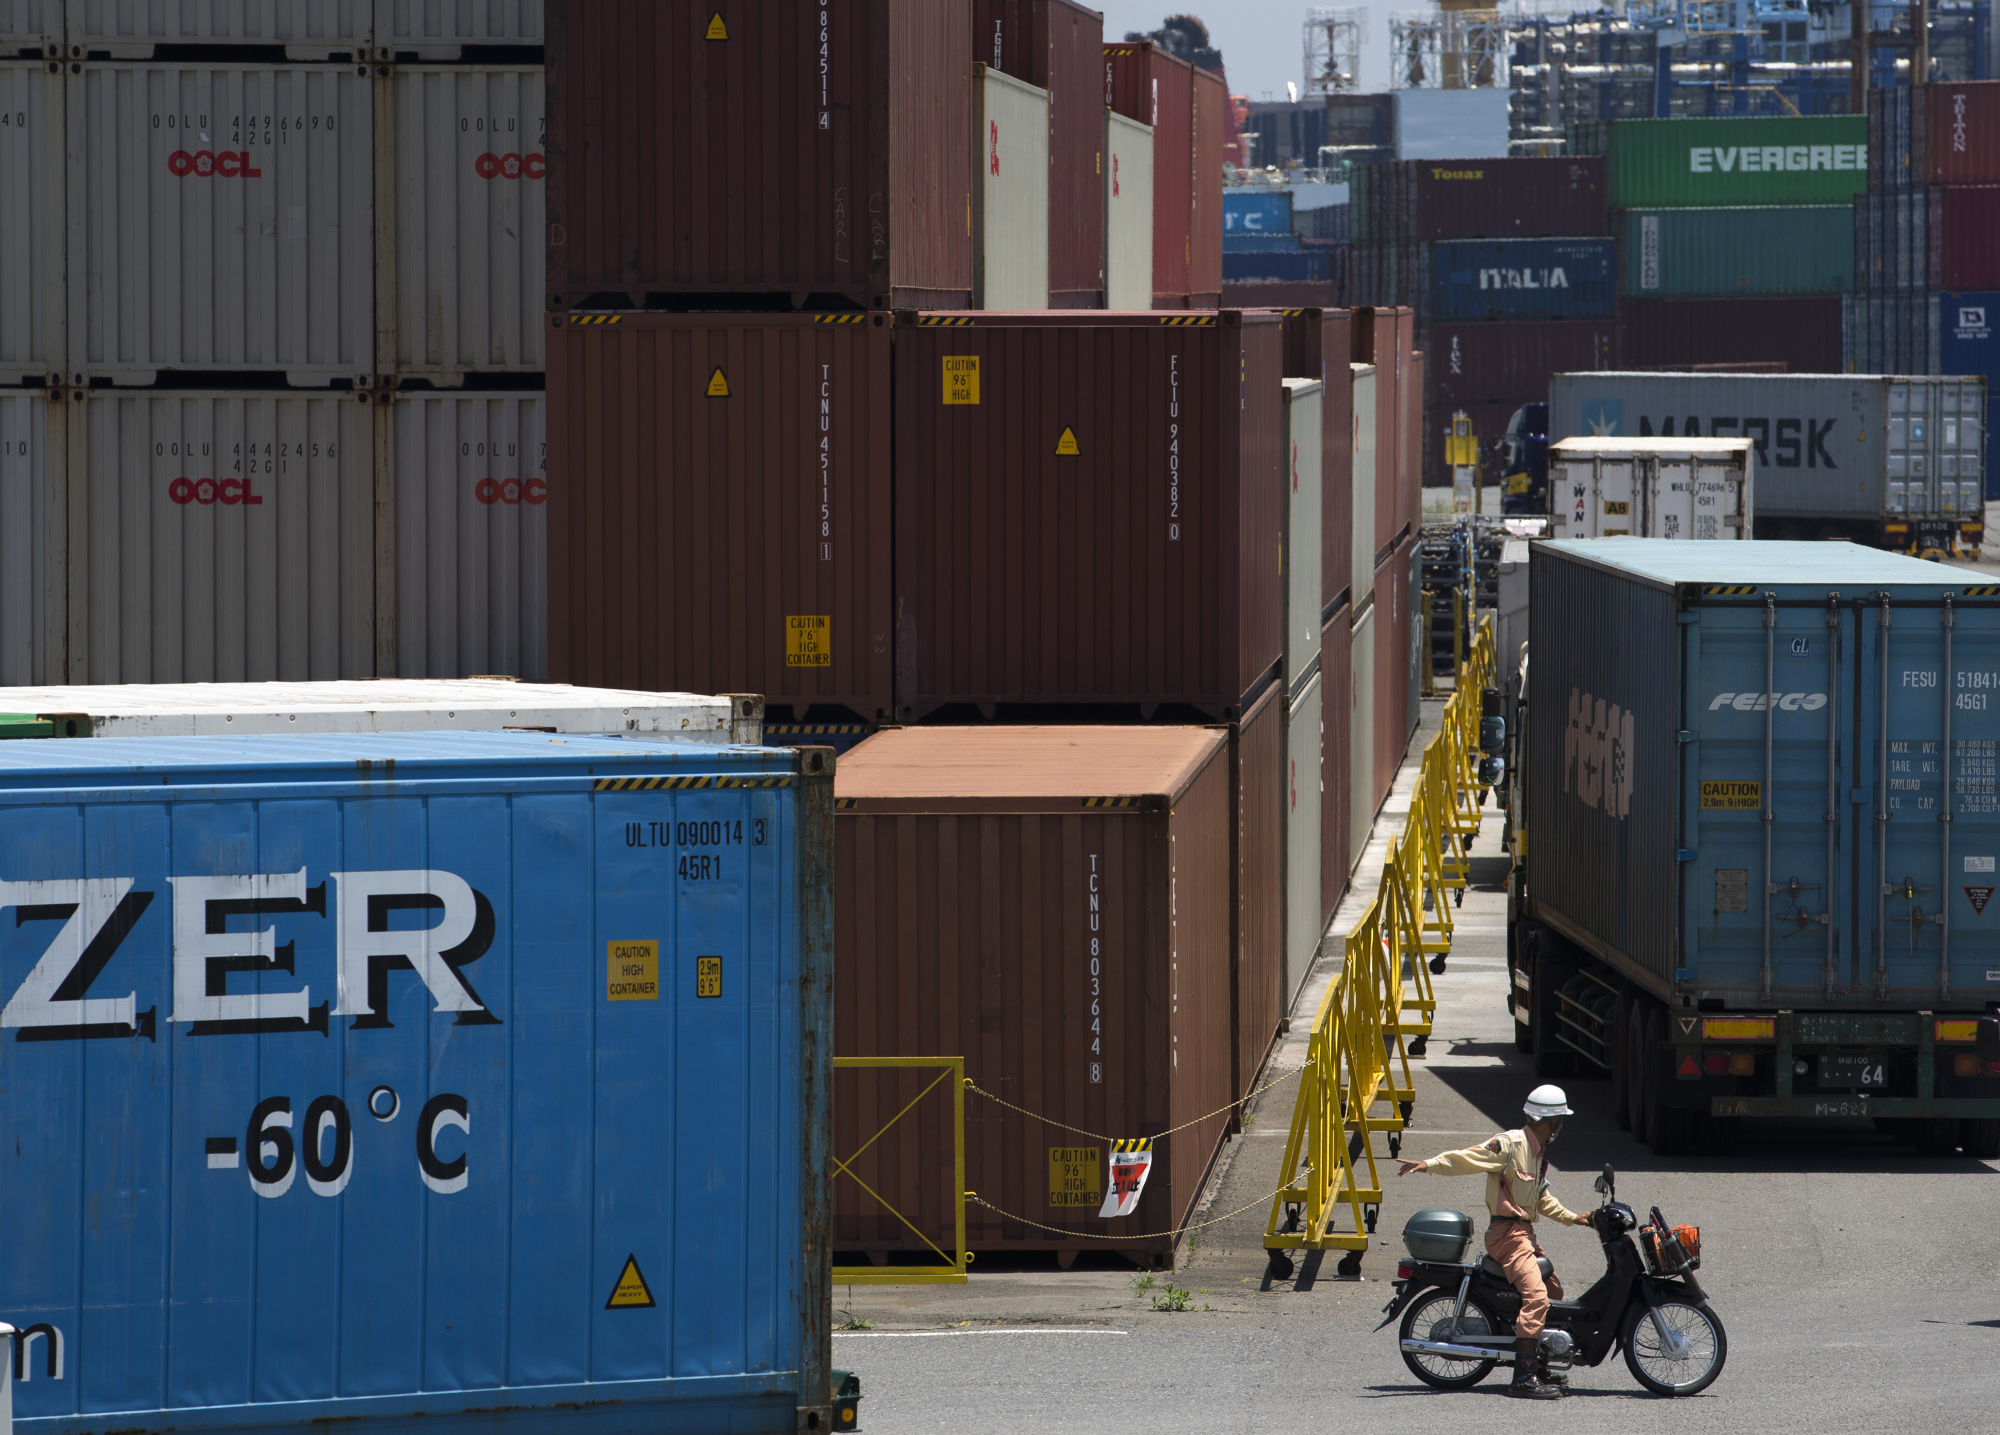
{"x":1087,"y":508}
{"x":1802,"y":334}
{"x":1378,"y":339}
{"x":1410,"y":496}
{"x":1313,"y":336}
{"x":1210,"y":124}
{"x":1146,"y":84}
{"x":719,"y":505}
{"x":1053,"y":904}
{"x":813,"y":151}
{"x":1258,"y":1001}
{"x":1337,"y":718}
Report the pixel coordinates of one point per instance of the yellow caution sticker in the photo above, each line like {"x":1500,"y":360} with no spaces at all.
{"x":716,"y":29}
{"x":718,"y":384}
{"x":809,"y":640}
{"x":1066,"y":445}
{"x":632,"y":971}
{"x":1518,"y":483}
{"x":961,"y":378}
{"x":1738,"y":796}
{"x":708,"y":976}
{"x":631,"y":1292}
{"x":1617,"y":506}
{"x":1075,"y":1176}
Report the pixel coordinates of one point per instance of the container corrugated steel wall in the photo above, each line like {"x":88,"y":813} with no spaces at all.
{"x":716,"y":543}
{"x":1305,"y":740}
{"x":1305,"y":496}
{"x":1066,"y":41}
{"x":969,"y":926}
{"x":1801,"y":334}
{"x":438,"y":29}
{"x":1210,"y":118}
{"x":1684,"y":163}
{"x":30,"y":475}
{"x":816,"y":150}
{"x":471,"y":181}
{"x":1362,"y":489}
{"x":1361,"y":740}
{"x":1713,"y":253}
{"x":1963,"y":251}
{"x":1337,"y":460}
{"x":222,"y":537}
{"x":1257,"y":760}
{"x":222,"y":209}
{"x":1478,"y":279}
{"x":1511,"y":363}
{"x":1336,"y":721}
{"x":1377,"y":341}
{"x":33,"y":219}
{"x":308,"y":29}
{"x":36,"y":23}
{"x":1146,"y":84}
{"x":1963,"y":132}
{"x":479,"y":1293}
{"x":471,"y":538}
{"x":1103,"y":524}
{"x":1127,"y":197}
{"x":1392,"y":613}
{"x":1010,"y":194}
{"x":1493,"y":199}
{"x":1409,"y":493}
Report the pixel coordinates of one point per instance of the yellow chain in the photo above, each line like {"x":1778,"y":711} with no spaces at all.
{"x":1108,"y":1140}
{"x":1095,"y":1236}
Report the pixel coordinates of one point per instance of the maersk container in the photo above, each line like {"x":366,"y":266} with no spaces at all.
{"x":544,"y":1024}
{"x":1684,"y":163}
{"x":1305,"y":497}
{"x":1651,"y":488}
{"x":1304,"y":745}
{"x":1476,"y":279}
{"x":1719,"y":253}
{"x":470,"y":173}
{"x":1128,"y":212}
{"x":31,"y":488}
{"x":471,"y":535}
{"x":1890,"y":460}
{"x":32,"y":218}
{"x":225,"y":214}
{"x":1362,"y":407}
{"x":1010,"y":197}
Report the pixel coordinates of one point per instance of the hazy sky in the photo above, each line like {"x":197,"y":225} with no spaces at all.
{"x":1261,"y":40}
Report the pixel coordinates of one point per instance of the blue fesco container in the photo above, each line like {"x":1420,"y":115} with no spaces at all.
{"x":1475,"y":279}
{"x":432,"y":1081}
{"x":1765,"y":772}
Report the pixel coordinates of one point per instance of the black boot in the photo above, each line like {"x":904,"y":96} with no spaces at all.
{"x":1528,"y":1384}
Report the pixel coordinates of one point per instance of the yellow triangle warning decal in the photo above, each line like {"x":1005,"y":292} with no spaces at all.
{"x":631,"y":1292}
{"x":1066,"y":445}
{"x":718,"y":386}
{"x":716,"y":29}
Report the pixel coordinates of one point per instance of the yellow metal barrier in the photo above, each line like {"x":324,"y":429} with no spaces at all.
{"x":950,"y":1069}
{"x":1357,"y":1077}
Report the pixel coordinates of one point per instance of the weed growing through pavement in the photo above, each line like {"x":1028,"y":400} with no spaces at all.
{"x":848,"y":1319}
{"x":1143,"y":1282}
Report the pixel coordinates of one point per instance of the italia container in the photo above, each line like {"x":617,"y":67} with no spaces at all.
{"x":33,"y":483}
{"x":1716,"y":253}
{"x":1054,"y":904}
{"x":1651,"y":488}
{"x":1305,"y":499}
{"x":761,"y":147}
{"x":1305,"y":740}
{"x":571,"y":935}
{"x":1337,"y":704}
{"x":720,"y":508}
{"x":1127,"y":198}
{"x":1010,"y":193}
{"x":1088,"y":508}
{"x":1705,"y":163}
{"x":1476,"y":279}
{"x":1144,"y":83}
{"x":33,"y":220}
{"x":1802,"y":334}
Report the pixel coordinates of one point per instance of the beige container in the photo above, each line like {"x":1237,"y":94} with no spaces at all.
{"x":1010,"y":201}
{"x":1363,"y":522}
{"x":221,"y":537}
{"x":1361,"y":734}
{"x":470,"y":174}
{"x":307,"y":29}
{"x":31,"y":484}
{"x":31,"y":220}
{"x":1651,"y":488}
{"x":1304,"y":792}
{"x":471,"y":542}
{"x":440,"y":29}
{"x":1128,"y":213}
{"x":1305,"y":401}
{"x":221,"y":217}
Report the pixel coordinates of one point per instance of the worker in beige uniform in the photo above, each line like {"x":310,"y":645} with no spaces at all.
{"x":1516,"y":1165}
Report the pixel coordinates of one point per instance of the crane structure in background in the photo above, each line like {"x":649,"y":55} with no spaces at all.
{"x":1333,"y":50}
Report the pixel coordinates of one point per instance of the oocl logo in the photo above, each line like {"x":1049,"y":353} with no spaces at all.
{"x":228,"y":163}
{"x":511,"y":166}
{"x":532,"y":491}
{"x":207,"y":491}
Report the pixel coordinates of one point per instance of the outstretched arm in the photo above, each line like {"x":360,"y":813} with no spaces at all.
{"x":1472,"y":1161}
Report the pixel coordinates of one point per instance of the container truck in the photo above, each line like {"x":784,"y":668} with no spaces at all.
{"x":1894,"y":461}
{"x":1754,"y":831}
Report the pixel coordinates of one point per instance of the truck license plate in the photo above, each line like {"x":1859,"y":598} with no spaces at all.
{"x":1867,"y":1073}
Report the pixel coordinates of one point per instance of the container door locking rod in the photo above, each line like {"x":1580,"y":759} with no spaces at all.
{"x":1770,"y":705}
{"x":1944,"y":823}
{"x":1832,"y":976}
{"x":1882,"y":887}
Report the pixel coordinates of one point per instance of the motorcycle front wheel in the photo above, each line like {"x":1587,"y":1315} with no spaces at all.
{"x":1686,"y":1364}
{"x":1429,"y":1318}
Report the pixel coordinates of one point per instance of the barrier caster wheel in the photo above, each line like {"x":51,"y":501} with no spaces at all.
{"x":1278,"y":1267}
{"x":1395,"y":1145}
{"x":1419,"y":1046}
{"x":1349,"y":1268}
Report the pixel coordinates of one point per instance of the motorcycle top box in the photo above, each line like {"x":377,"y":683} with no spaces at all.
{"x":1438,"y":1235}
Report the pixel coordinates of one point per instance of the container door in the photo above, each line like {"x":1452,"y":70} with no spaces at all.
{"x":1718,"y":501}
{"x":1618,"y":505}
{"x":1671,"y":504}
{"x":1572,"y":499}
{"x":1303,"y":796}
{"x":1909,"y":449}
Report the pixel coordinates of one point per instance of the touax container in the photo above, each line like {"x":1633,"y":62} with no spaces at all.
{"x":416,"y":1079}
{"x":1760,"y":834}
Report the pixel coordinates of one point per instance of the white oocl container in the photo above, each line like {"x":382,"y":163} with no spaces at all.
{"x":1010,"y":203}
{"x":31,"y":218}
{"x":1128,"y":213}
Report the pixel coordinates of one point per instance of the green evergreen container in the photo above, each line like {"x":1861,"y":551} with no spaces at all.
{"x":1736,"y":253}
{"x":1702,"y":164}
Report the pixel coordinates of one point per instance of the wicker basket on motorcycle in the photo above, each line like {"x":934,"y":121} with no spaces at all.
{"x":1673,"y":1252}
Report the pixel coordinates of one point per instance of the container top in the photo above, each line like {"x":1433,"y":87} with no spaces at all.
{"x":1716,"y":446}
{"x":1725,"y":562}
{"x":382,"y":705}
{"x":1072,"y":765}
{"x":1299,"y":388}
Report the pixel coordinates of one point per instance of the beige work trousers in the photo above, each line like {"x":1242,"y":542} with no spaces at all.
{"x":1512,"y":1243}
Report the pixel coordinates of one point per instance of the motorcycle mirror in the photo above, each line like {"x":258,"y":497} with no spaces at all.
{"x":1986,"y":1039}
{"x":1606,"y":1184}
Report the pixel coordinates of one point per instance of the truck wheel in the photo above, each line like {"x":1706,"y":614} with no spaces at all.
{"x":1620,"y":1047}
{"x":1979,"y":1137}
{"x":1936,"y":1136}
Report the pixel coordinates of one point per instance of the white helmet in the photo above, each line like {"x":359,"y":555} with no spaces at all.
{"x":1547,"y":1101}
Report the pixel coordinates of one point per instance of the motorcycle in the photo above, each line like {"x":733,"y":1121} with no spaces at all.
{"x":1458,"y":1315}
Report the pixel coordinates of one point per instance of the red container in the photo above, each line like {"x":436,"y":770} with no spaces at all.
{"x":719,"y":505}
{"x":1146,"y":84}
{"x":1058,"y":45}
{"x":1965,"y":235}
{"x":1337,"y":719}
{"x":815,"y":151}
{"x":1211,"y":122}
{"x":990,"y":903}
{"x":1257,"y":754}
{"x":1277,"y":295}
{"x":1102,"y":524}
{"x":1557,"y":198}
{"x":1801,"y":334}
{"x":1509,"y":361}
{"x":1964,"y":132}
{"x":1378,"y":339}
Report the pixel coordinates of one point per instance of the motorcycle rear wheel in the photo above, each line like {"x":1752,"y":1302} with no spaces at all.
{"x":1428,"y":1314}
{"x":1664,"y":1374}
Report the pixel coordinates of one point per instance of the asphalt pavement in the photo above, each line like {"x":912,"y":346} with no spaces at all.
{"x":1859,"y":1285}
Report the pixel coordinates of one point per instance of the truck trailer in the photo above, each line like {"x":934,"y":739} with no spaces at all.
{"x":1754,"y":831}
